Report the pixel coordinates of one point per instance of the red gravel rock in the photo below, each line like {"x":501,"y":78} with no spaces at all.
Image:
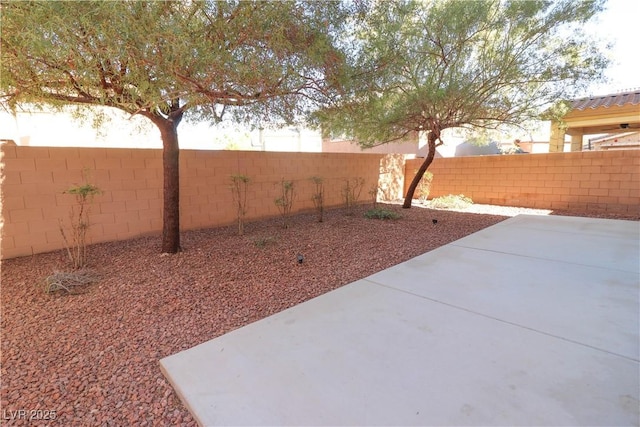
{"x":93,"y":357}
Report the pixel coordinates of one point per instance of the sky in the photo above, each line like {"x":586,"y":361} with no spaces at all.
{"x":619,"y":24}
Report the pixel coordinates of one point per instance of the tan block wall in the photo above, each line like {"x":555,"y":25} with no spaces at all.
{"x":34,"y":179}
{"x":584,"y":181}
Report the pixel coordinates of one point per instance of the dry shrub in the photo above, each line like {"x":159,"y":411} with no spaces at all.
{"x":70,"y":282}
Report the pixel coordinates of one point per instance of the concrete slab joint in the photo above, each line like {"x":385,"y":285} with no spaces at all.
{"x":533,"y":321}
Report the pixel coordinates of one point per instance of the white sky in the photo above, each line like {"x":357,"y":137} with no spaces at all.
{"x":620,"y":25}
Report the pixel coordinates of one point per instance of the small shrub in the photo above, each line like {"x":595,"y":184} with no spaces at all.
{"x":263,"y":242}
{"x":451,"y":201}
{"x":373,"y":193}
{"x":285,"y":201}
{"x":381,"y":213}
{"x":318,"y":196}
{"x":75,"y":236}
{"x":351,"y":193}
{"x":239,"y":187}
{"x":70,"y":282}
{"x":424,"y":186}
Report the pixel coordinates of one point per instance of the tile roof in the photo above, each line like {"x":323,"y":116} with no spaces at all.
{"x":615,"y":99}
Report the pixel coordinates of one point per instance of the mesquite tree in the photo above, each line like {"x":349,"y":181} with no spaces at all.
{"x":425,"y":66}
{"x":247,"y":60}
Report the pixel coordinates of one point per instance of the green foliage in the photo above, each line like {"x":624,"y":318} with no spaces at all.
{"x":155,"y":58}
{"x":75,"y":235}
{"x":381,"y":213}
{"x":239,"y":187}
{"x":318,"y":196}
{"x":351,"y":193}
{"x":285,"y":201}
{"x":431,"y":65}
{"x":425,"y":66}
{"x":84,"y":192}
{"x":451,"y":201}
{"x":556,"y":112}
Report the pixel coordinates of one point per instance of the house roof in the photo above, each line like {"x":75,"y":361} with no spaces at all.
{"x":617,"y":99}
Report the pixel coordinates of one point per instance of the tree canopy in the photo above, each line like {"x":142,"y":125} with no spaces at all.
{"x":249,"y":60}
{"x":425,"y":66}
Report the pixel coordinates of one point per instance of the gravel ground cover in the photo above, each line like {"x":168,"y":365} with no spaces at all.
{"x":91,"y":359}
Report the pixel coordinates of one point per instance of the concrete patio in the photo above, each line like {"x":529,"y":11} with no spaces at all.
{"x":533,"y":321}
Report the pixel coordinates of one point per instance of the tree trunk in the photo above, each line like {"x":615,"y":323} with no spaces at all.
{"x":171,"y":189}
{"x":431,"y":143}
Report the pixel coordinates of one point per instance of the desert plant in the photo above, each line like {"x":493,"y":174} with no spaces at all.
{"x":285,"y":201}
{"x":424,"y":186}
{"x":75,"y":236}
{"x":381,"y":213}
{"x":451,"y":201}
{"x":263,"y":242}
{"x":239,"y":186}
{"x":70,"y":282}
{"x":373,"y":193}
{"x":351,"y":193}
{"x":318,"y":196}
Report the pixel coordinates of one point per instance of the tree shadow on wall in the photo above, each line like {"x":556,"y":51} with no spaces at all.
{"x":391,"y":179}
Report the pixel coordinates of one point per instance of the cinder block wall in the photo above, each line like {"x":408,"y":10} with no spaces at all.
{"x":35,"y":178}
{"x":584,"y":181}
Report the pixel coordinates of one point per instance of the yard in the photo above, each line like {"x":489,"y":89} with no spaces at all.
{"x":93,"y":357}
